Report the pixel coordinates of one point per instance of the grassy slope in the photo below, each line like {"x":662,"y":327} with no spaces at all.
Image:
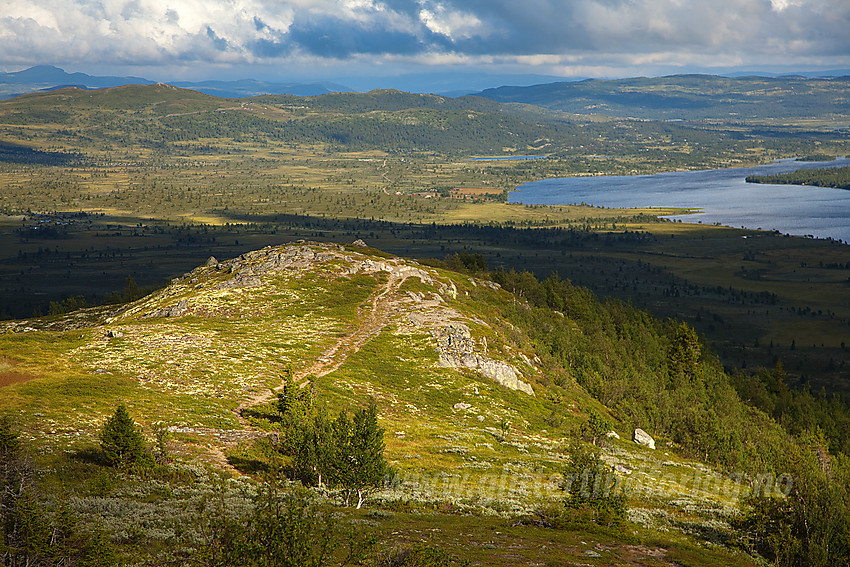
{"x":192,"y":370}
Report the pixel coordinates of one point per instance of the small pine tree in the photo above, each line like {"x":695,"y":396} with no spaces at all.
{"x":595,"y":428}
{"x":592,"y":491}
{"x":131,"y":291}
{"x":294,"y":403}
{"x":122,"y":442}
{"x":359,"y":458}
{"x":288,"y":397}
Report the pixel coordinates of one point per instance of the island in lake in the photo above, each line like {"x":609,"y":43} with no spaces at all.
{"x":838,"y":177}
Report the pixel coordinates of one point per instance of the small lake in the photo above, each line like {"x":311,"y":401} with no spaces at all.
{"x":721,"y":195}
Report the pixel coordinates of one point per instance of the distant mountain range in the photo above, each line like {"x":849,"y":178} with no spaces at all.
{"x":453,"y":84}
{"x":55,"y":77}
{"x":48,"y":77}
{"x":689,"y":97}
{"x":673,"y":97}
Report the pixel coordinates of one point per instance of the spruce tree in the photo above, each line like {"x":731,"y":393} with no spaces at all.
{"x":341,"y":464}
{"x":683,"y":358}
{"x":592,"y":490}
{"x":122,"y":442}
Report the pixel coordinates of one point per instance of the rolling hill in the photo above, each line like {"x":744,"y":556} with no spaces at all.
{"x":483,"y":397}
{"x":691,"y":97}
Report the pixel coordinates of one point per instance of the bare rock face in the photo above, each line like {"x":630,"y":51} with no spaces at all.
{"x":641,"y":437}
{"x":241,"y":280}
{"x":456,"y":349}
{"x":249,"y":268}
{"x":178,"y":309}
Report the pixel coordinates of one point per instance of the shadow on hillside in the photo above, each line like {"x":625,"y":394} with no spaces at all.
{"x":250,"y":465}
{"x":16,"y":153}
{"x":91,"y":455}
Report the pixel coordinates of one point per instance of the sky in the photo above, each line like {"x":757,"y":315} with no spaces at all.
{"x":289,"y":40}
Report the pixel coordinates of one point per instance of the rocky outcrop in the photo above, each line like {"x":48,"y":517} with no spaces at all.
{"x":249,"y":268}
{"x":456,"y":349}
{"x":177,"y":310}
{"x":641,"y":437}
{"x":430,"y":309}
{"x":241,"y":280}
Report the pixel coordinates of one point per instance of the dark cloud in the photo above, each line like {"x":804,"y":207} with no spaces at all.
{"x":333,"y":37}
{"x":218,"y":42}
{"x":270,"y":48}
{"x":259,"y":24}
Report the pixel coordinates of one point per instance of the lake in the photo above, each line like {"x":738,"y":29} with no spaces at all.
{"x":721,"y":195}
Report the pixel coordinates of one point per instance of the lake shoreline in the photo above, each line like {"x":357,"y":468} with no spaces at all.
{"x":716,"y":196}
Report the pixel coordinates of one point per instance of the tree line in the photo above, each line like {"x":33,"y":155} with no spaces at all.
{"x":837,"y":177}
{"x":657,"y":375}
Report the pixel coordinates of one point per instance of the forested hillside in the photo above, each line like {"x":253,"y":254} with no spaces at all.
{"x":838,"y":177}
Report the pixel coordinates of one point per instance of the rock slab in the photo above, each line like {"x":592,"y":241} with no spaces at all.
{"x":641,"y":437}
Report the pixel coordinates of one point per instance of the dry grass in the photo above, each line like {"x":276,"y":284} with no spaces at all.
{"x":8,"y":374}
{"x":9,"y":377}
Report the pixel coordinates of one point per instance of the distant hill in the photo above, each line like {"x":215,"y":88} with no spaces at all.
{"x":167,"y":118}
{"x":250,"y":87}
{"x":689,"y":97}
{"x":48,"y":77}
{"x":48,"y":74}
{"x":162,"y":115}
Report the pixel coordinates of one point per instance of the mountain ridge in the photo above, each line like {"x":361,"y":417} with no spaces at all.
{"x":687,"y":96}
{"x":49,"y":77}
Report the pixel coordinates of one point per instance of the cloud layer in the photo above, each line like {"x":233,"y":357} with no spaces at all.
{"x":551,"y":34}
